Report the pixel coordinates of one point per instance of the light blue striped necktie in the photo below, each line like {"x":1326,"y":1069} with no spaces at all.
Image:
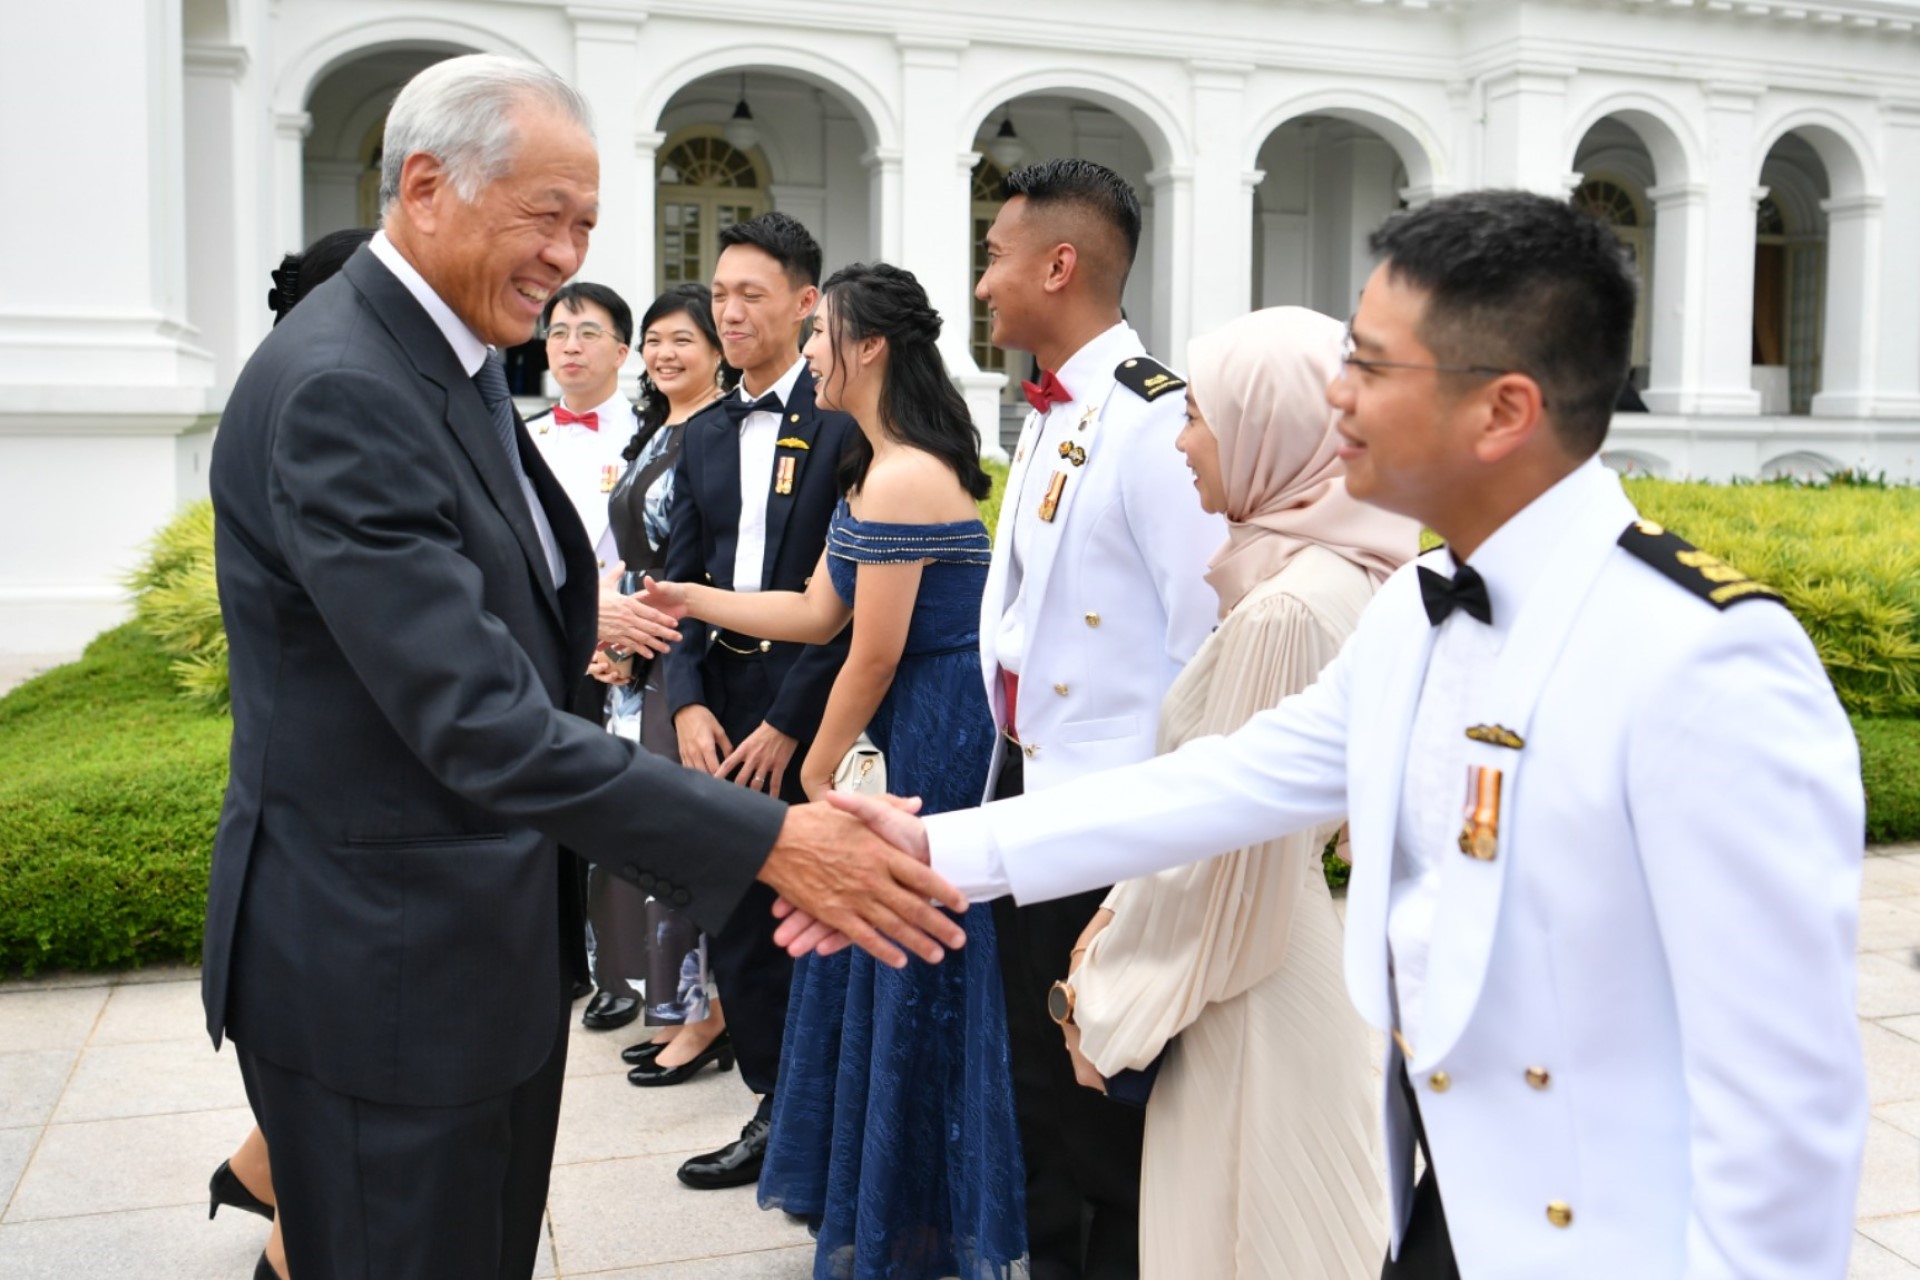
{"x":490,"y":379}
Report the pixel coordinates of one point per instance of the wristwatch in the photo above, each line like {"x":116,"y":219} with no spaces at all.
{"x":1060,"y":1002}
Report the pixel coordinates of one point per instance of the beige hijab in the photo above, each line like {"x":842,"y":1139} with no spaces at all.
{"x":1260,"y":382}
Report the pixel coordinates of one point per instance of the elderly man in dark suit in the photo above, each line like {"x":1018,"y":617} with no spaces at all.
{"x":409,"y":602}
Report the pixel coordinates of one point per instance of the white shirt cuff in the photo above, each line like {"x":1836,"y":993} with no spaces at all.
{"x":964,"y":851}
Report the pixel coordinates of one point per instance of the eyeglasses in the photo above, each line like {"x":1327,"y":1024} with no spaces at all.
{"x":1350,"y":362}
{"x":587,"y":333}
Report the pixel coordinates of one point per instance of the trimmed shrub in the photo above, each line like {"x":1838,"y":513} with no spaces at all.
{"x":177,"y":603}
{"x":990,"y":505}
{"x":110,"y":787}
{"x":1846,"y":558}
{"x":1890,"y":769}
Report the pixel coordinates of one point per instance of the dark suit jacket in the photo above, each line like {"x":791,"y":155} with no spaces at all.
{"x":706,"y":520}
{"x":388,"y":909}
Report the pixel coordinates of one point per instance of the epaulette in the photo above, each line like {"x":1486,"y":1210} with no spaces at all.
{"x":1707,"y":576}
{"x":1147,"y":377}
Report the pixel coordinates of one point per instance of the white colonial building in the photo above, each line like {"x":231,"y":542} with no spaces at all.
{"x":1760,"y":157}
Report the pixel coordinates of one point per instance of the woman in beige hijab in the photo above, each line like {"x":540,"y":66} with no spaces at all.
{"x":1261,"y":1139}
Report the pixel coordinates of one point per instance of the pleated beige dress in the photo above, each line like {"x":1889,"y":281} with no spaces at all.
{"x":1262,"y":1134}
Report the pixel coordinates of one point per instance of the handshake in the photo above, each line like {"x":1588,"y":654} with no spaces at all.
{"x":853,"y":870}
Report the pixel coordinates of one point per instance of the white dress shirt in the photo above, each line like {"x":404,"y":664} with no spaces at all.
{"x":1088,"y":375}
{"x":587,"y":463}
{"x":759,"y":438}
{"x":1433,"y":788}
{"x":471,"y":353}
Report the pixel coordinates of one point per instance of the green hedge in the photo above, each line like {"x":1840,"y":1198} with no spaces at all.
{"x":111,"y":768}
{"x":110,"y":787}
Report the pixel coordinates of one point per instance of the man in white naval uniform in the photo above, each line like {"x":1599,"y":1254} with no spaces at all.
{"x":1606,"y":811}
{"x":1095,"y":599}
{"x":588,"y":335}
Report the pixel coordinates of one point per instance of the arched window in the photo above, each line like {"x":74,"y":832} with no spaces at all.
{"x":1620,"y":207}
{"x":705,"y":185}
{"x":1788,"y":281}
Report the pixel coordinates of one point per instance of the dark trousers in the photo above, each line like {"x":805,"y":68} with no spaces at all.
{"x":1082,"y":1150}
{"x":383,"y":1192}
{"x":1426,"y":1251}
{"x":752,"y":974}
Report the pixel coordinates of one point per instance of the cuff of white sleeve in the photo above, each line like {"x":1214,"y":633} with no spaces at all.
{"x":965,"y":853}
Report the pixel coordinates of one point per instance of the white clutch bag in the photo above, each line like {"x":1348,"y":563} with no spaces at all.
{"x":863,"y":770}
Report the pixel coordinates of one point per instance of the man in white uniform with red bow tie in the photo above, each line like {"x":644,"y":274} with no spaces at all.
{"x":581,"y":437}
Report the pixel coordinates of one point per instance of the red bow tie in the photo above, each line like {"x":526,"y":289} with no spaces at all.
{"x":1050,"y":391}
{"x":564,"y":415}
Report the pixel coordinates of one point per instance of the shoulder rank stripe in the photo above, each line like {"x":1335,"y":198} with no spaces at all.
{"x":1707,"y":576}
{"x":1147,"y":377}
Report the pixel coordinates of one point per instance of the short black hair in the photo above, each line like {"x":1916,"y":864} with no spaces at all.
{"x":1520,"y":281}
{"x":600,"y":296}
{"x":299,"y":274}
{"x":1085,"y":185}
{"x":782,"y":237}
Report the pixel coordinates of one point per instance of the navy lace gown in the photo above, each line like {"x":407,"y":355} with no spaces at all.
{"x":893,"y":1122}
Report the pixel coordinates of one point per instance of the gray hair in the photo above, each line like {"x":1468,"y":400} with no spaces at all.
{"x":461,"y":112}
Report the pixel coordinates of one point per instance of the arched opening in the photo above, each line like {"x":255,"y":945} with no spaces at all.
{"x":742,"y":142}
{"x":1790,"y":277}
{"x":341,"y":158}
{"x":987,"y":197}
{"x":1049,"y":124}
{"x":1329,"y":182}
{"x":1617,"y":171}
{"x":1800,"y":465}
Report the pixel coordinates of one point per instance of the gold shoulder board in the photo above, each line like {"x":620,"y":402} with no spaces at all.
{"x":1707,"y":576}
{"x":1147,"y":377}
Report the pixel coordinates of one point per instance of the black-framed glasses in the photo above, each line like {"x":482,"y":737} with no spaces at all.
{"x":1350,"y":361}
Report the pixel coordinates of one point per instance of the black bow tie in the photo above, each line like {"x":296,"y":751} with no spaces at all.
{"x":738,"y":409}
{"x":1465,"y":591}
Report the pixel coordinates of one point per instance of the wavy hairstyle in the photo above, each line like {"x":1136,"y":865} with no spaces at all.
{"x":919,"y":405}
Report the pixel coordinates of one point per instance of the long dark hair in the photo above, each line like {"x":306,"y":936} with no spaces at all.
{"x":695,"y":301}
{"x":919,"y":405}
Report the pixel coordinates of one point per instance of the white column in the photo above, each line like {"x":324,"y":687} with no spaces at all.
{"x":1720,"y":317}
{"x":1166,"y":331}
{"x":101,"y":374}
{"x":935,"y":215}
{"x":290,"y":130}
{"x":606,"y":71}
{"x":1221,"y":246}
{"x":644,"y":242}
{"x":1851,"y":339}
{"x":1897,"y":366}
{"x":1526,"y":108}
{"x":1678,"y":353}
{"x":883,"y":200}
{"x":224,"y":273}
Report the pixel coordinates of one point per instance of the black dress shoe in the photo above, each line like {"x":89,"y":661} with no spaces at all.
{"x":225,"y":1187}
{"x":650,"y":1074}
{"x":735,"y":1165}
{"x":606,"y":1012}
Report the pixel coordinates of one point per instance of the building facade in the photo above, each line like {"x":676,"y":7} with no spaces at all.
{"x":1759,"y":158}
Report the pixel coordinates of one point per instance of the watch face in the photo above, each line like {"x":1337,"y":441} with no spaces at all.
{"x":1059,"y":1003}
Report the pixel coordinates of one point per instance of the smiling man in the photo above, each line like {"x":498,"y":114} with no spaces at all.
{"x":1606,"y":811}
{"x":408,"y":602}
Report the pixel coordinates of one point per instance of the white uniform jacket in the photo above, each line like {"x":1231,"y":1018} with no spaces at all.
{"x":1112,"y":593}
{"x":1638,"y":1055}
{"x":588,"y":465}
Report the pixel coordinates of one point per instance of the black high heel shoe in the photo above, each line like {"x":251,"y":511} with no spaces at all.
{"x":226,"y":1188}
{"x":651,"y":1074}
{"x":645,"y":1051}
{"x":263,"y":1270}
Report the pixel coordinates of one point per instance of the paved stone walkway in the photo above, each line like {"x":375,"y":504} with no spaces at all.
{"x":113,"y":1111}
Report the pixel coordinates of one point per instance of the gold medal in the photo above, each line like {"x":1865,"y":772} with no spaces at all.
{"x":1480,"y":833}
{"x":609,"y":477}
{"x":783,"y":476}
{"x":1050,"y":505}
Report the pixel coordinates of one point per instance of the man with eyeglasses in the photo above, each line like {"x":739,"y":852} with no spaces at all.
{"x":588,"y":328}
{"x":1606,"y":811}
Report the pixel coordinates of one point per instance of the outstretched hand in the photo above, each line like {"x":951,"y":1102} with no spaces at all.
{"x":628,"y":623}
{"x":846,"y":883}
{"x":890,"y":817}
{"x":669,"y":598}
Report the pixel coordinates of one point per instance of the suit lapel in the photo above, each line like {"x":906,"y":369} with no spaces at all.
{"x":466,"y":415}
{"x":713,"y":436}
{"x":1377,"y":756}
{"x":800,"y":422}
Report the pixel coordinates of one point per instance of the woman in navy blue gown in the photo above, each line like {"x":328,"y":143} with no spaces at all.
{"x":893,"y":1125}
